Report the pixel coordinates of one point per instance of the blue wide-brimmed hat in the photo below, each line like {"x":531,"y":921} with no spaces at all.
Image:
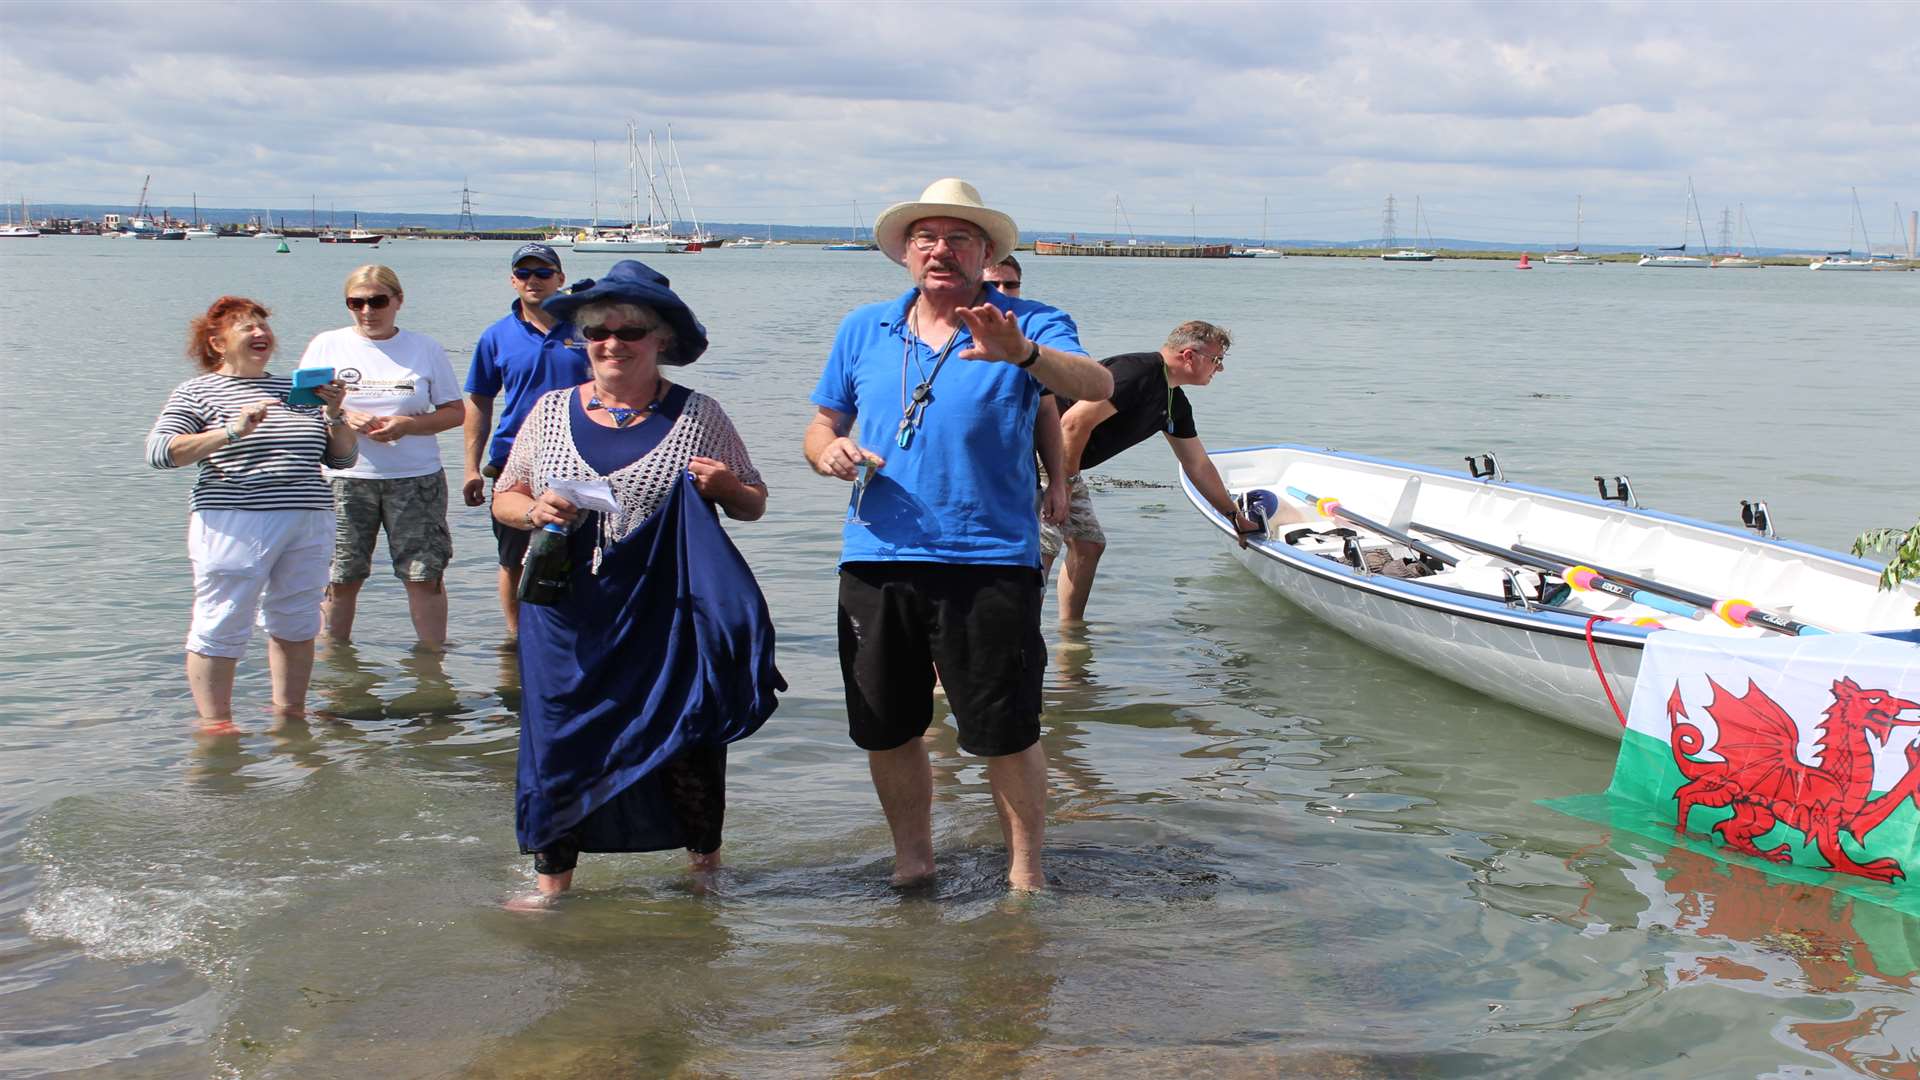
{"x":634,"y":282}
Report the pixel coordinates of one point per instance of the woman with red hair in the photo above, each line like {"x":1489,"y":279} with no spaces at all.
{"x":260,"y":527}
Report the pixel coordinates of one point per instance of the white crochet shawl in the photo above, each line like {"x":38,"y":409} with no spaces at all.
{"x":543,"y":451}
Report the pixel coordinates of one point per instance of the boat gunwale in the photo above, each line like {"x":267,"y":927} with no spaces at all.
{"x":1556,"y":623}
{"x":1446,"y":602}
{"x":1737,"y":533}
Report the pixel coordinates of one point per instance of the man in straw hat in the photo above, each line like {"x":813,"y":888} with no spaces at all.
{"x":927,"y":403}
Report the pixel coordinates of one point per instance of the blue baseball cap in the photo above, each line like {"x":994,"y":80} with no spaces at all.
{"x":536,"y":250}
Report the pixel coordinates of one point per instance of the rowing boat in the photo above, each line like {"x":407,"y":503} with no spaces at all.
{"x":1537,"y":597}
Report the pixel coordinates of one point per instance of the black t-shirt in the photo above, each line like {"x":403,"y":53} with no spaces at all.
{"x":1143,"y":401}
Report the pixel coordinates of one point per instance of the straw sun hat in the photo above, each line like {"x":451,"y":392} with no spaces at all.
{"x":951,"y":198}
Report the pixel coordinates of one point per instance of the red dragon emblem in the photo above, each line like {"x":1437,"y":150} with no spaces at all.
{"x":1766,"y":783}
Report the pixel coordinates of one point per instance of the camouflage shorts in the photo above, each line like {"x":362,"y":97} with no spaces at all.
{"x":1081,"y":524}
{"x":413,"y":510}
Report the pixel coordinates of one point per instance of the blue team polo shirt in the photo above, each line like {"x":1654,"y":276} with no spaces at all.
{"x":513,"y":355}
{"x":963,"y":490}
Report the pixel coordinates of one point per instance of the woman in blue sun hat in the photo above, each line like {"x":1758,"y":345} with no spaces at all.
{"x":660,"y":650}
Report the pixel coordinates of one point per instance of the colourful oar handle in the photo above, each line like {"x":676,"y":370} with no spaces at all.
{"x":1587,"y":579}
{"x":1741,"y":613}
{"x":1325,"y":506}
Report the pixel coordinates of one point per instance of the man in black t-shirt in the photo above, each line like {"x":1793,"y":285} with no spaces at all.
{"x":1147,"y":400}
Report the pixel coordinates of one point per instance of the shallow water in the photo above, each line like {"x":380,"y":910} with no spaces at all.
{"x":1274,"y":851}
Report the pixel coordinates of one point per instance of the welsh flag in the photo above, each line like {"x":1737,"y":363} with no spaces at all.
{"x":1802,"y":753}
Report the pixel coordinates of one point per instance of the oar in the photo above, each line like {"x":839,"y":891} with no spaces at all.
{"x":1735,"y":612}
{"x":1332,"y":508}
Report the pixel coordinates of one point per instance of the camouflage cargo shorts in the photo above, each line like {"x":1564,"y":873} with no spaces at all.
{"x":1081,"y":523}
{"x":412,"y":510}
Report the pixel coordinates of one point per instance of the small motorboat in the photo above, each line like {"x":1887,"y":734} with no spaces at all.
{"x":1525,"y":593}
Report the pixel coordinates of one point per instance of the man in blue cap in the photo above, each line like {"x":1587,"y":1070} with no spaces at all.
{"x":527,"y":353}
{"x":940,"y":563}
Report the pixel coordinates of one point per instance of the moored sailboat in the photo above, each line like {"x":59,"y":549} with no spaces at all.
{"x":1573,"y":256}
{"x":855,"y":244}
{"x":1676,"y":258}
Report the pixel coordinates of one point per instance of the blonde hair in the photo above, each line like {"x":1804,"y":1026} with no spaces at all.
{"x":375,"y":274}
{"x":1194,"y":332}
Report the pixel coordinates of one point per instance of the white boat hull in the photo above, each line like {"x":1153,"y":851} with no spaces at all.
{"x":1674,"y":262}
{"x":1456,"y":625}
{"x":638,"y":247}
{"x":1548,"y":674}
{"x":1570,"y":260}
{"x":1841,"y":264}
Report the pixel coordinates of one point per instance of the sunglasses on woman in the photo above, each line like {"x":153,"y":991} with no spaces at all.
{"x":541,"y":272}
{"x":356,"y":303}
{"x":625,"y":333}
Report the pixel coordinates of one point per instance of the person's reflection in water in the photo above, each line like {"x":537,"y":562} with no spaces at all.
{"x":433,"y":696}
{"x":222,"y":762}
{"x":969,"y":999}
{"x":601,"y":1026}
{"x":345,"y":682}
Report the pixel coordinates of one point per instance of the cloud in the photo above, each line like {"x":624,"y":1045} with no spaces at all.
{"x":1495,"y":114}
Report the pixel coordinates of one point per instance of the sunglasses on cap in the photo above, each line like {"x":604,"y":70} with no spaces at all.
{"x":625,"y":333}
{"x":356,"y":303}
{"x":541,"y":272}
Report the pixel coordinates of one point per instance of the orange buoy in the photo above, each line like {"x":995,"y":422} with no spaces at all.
{"x":1524,"y":264}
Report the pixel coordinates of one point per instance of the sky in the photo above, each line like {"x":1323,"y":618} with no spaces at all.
{"x":1495,"y":116}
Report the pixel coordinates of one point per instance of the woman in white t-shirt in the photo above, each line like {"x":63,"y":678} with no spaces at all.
{"x":401,"y":394}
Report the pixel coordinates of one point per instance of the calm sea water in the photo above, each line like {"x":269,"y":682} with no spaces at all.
{"x":1276,"y":852}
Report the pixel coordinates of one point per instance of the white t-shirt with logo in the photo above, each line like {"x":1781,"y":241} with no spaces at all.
{"x":408,"y":374}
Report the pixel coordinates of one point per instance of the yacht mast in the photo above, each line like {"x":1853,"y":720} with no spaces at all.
{"x":673,"y":153}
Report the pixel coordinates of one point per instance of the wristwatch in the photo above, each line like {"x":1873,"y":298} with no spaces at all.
{"x":1033,"y":357}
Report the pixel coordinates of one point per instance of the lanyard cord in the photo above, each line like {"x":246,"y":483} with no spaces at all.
{"x":913,"y":411}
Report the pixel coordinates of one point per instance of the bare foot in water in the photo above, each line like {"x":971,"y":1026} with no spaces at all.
{"x":912,"y":879}
{"x":536,"y":901}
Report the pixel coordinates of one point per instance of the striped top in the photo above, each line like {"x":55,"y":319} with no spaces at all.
{"x":277,"y":467}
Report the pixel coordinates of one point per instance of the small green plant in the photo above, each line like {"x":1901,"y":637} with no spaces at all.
{"x":1905,"y":561}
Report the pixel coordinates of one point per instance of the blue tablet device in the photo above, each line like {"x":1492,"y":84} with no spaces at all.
{"x":304,"y":380}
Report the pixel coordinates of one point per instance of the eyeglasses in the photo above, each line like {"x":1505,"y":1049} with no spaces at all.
{"x":375,"y":302}
{"x":1218,"y":361}
{"x":927,"y":241}
{"x":541,"y":272}
{"x":625,"y":333}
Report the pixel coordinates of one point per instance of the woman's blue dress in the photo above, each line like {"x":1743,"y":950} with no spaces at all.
{"x":669,"y":646}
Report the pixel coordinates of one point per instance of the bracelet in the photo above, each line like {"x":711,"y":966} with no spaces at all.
{"x":527,"y":516}
{"x":337,"y":421}
{"x":1032,"y":357}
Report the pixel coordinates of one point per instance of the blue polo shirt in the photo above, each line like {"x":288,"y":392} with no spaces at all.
{"x":962,"y":491}
{"x":513,"y":355}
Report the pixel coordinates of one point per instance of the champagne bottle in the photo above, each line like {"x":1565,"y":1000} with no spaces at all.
{"x":543,"y":580}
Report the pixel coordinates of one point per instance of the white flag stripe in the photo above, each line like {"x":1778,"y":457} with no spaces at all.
{"x":1798,"y":674}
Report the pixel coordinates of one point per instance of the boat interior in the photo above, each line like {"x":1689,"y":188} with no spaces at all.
{"x":1461,"y":533}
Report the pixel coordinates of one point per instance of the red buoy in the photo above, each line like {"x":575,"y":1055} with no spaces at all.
{"x":1524,"y":264}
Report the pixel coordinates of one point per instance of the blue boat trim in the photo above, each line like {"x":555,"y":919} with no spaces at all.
{"x":1572,"y":496}
{"x":1542,"y":620}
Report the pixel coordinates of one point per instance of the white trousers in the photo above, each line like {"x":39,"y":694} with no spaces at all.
{"x":265,"y":566}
